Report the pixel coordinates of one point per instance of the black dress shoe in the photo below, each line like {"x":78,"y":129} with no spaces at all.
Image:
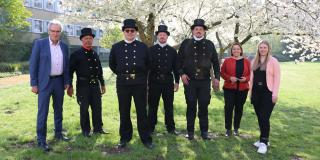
{"x":205,"y":136}
{"x":190,"y":136}
{"x":148,"y":145}
{"x":228,"y":133}
{"x":100,"y":132}
{"x":122,"y":144}
{"x":61,"y":138}
{"x":236,"y":132}
{"x":173,"y":132}
{"x":86,"y":134}
{"x":44,"y":146}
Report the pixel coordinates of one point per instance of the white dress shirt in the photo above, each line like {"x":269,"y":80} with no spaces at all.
{"x":56,"y":59}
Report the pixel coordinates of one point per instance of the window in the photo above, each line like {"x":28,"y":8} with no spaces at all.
{"x":77,"y":30}
{"x":29,"y":29}
{"x":69,"y":30}
{"x":45,"y":26}
{"x":27,"y":3}
{"x":49,"y":5}
{"x":37,"y":26}
{"x":58,"y":6}
{"x":38,"y":3}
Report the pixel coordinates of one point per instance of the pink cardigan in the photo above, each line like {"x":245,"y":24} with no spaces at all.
{"x":273,"y":76}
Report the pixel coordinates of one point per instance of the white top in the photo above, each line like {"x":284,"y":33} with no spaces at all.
{"x":198,"y":39}
{"x":161,"y":44}
{"x":56,"y":59}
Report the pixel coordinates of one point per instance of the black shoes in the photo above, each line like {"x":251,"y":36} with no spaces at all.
{"x":205,"y":136}
{"x":86,"y":134}
{"x":190,"y":136}
{"x":228,"y":133}
{"x":100,"y":132}
{"x":148,"y":145}
{"x":236,"y":132}
{"x":173,"y":132}
{"x":61,"y":137}
{"x":44,"y":146}
{"x":122,"y":144}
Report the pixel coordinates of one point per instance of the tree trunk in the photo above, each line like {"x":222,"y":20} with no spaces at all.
{"x":146,"y":33}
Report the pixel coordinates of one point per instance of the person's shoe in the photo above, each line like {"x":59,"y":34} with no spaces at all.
{"x":262,"y":148}
{"x":236,"y":132}
{"x":44,"y":146}
{"x":228,"y":133}
{"x":122,"y":144}
{"x":148,"y":145}
{"x":100,"y":132}
{"x":61,"y":137}
{"x":173,"y":132}
{"x":86,"y":134}
{"x":205,"y":136}
{"x":190,"y":136}
{"x":257,"y":144}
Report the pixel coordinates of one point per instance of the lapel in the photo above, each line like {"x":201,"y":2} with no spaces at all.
{"x":48,"y":52}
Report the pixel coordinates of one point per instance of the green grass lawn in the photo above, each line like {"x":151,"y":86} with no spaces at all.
{"x":295,"y":126}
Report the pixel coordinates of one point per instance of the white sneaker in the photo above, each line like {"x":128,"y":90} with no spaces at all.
{"x":257,"y":144}
{"x":262,"y":148}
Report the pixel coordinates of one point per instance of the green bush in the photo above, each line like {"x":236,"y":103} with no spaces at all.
{"x":7,"y":67}
{"x":21,"y":67}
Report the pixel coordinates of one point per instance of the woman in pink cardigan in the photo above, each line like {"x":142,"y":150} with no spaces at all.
{"x":264,"y":85}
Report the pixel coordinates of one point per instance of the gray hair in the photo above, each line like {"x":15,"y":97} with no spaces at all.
{"x":55,"y":22}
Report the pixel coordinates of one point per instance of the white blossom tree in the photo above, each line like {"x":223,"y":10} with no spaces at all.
{"x":228,"y":20}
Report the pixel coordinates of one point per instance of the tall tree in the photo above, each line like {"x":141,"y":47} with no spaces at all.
{"x":228,"y":20}
{"x":13,"y":17}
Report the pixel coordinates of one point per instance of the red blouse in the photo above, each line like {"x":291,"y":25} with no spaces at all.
{"x":228,"y":69}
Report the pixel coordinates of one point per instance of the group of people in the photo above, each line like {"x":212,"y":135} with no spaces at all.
{"x":147,"y":74}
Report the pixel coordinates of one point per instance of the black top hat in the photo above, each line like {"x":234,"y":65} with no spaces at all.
{"x":129,"y":23}
{"x":199,"y":22}
{"x":163,"y":28}
{"x":86,"y":32}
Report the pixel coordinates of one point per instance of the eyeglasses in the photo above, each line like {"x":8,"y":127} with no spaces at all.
{"x":55,"y":31}
{"x":129,"y":30}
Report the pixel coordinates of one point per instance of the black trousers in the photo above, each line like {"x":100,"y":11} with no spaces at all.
{"x":90,"y":96}
{"x":234,"y":101}
{"x":261,"y":99}
{"x":197,"y":92}
{"x":139,"y":94}
{"x":155,"y":92}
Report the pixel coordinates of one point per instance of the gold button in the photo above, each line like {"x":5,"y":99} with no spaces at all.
{"x":134,"y":50}
{"x":126,"y":63}
{"x":125,"y":50}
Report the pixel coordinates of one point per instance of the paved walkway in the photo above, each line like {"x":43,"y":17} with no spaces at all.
{"x":14,"y":80}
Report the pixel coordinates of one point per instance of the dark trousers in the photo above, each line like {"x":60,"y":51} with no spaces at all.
{"x":262,"y":101}
{"x":55,"y":89}
{"x":90,"y":96}
{"x":197,"y":92}
{"x":155,"y":92}
{"x":234,"y":100}
{"x":139,"y":94}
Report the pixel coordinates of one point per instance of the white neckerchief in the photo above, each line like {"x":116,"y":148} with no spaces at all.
{"x":161,"y":44}
{"x":127,"y":41}
{"x":198,"y":39}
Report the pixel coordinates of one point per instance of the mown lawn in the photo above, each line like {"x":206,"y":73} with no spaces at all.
{"x":295,"y":126}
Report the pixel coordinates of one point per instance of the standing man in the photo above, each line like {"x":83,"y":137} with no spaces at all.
{"x":162,"y":63}
{"x":128,"y":60}
{"x":49,"y":76}
{"x":90,"y":84}
{"x":195,"y":59}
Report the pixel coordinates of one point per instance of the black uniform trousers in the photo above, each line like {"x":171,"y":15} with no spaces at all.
{"x":157,"y":90}
{"x":261,"y":99}
{"x":90,"y":96}
{"x":234,"y":101}
{"x":139,"y":94}
{"x":197,"y":92}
